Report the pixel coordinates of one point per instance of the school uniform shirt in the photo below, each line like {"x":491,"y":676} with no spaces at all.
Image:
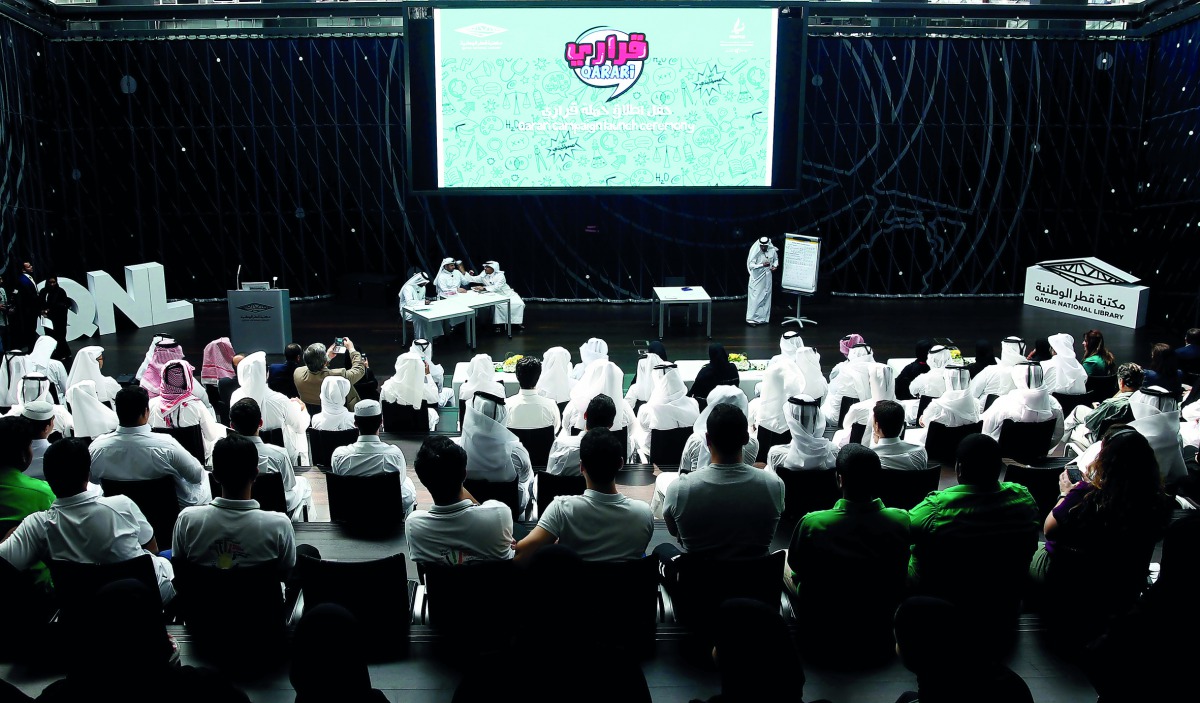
{"x":137,"y":454}
{"x":725,"y":511}
{"x":86,"y":528}
{"x":897,"y":454}
{"x":600,"y":526}
{"x":528,"y":411}
{"x":370,"y":456}
{"x":460,"y":532}
{"x":229,"y":533}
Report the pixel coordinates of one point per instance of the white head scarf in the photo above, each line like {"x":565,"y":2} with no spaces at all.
{"x":1156,"y":417}
{"x":481,"y":376}
{"x":808,"y":449}
{"x":1034,"y":399}
{"x":487,"y":439}
{"x":252,"y":379}
{"x":446,"y":279}
{"x":17,"y":365}
{"x":418,"y":279}
{"x":939,"y":357}
{"x":494,"y":265}
{"x":34,"y":386}
{"x":86,"y":368}
{"x":422,"y":348}
{"x":808,"y":361}
{"x":669,"y":407}
{"x":334,"y":390}
{"x":91,"y":417}
{"x":1012,"y":351}
{"x":595,"y":349}
{"x":43,"y":349}
{"x":756,"y":249}
{"x":602,"y":377}
{"x":646,"y":378}
{"x":883,"y":382}
{"x":779,"y":382}
{"x":407,"y":386}
{"x":721,"y":395}
{"x":555,"y":382}
{"x":1069,"y":374}
{"x":956,"y":401}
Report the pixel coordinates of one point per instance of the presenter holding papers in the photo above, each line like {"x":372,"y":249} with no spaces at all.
{"x":762,"y":260}
{"x":493,"y":280}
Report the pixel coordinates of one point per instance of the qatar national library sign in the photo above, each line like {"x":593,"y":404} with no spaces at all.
{"x":1087,"y":287}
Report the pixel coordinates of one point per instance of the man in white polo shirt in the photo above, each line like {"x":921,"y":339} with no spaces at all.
{"x":81,"y":525}
{"x":245,"y":418}
{"x":564,"y":453}
{"x":40,"y":415}
{"x":601,"y":524}
{"x":370,"y":455}
{"x":528,"y":410}
{"x":456,"y":529}
{"x":232,"y":531}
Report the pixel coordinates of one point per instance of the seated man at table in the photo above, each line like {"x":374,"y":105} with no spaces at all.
{"x":528,"y":410}
{"x":456,"y":529}
{"x":370,"y":455}
{"x":564,"y":453}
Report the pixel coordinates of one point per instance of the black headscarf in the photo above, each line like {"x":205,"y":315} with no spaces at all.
{"x":719,"y":371}
{"x":1041,"y":350}
{"x":656,"y":347}
{"x":985,"y":356}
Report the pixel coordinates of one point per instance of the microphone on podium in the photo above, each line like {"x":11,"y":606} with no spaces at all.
{"x":237,"y":282}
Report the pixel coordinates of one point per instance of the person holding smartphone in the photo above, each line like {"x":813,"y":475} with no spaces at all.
{"x":316,"y":367}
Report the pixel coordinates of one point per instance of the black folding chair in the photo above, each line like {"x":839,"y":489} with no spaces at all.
{"x":210,"y":599}
{"x":405,"y":418}
{"x":274,"y":436}
{"x":847,"y":401}
{"x":373,"y":502}
{"x":507,"y":492}
{"x":321,"y":444}
{"x":1070,"y":401}
{"x":941,"y":442}
{"x":1026,"y":442}
{"x":1041,"y":482}
{"x":923,"y":403}
{"x":808,"y":490}
{"x":551,"y":486}
{"x":704,"y":584}
{"x":191,"y":438}
{"x":473,"y":605}
{"x":76,"y":584}
{"x":766,"y":440}
{"x":908,"y":487}
{"x":376,"y":592}
{"x":991,"y":398}
{"x":857,"y":430}
{"x":156,"y":499}
{"x":666,"y":446}
{"x":537,"y":441}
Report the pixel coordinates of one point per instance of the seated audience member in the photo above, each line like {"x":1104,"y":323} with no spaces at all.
{"x":333,"y":416}
{"x":556,"y":382}
{"x":411,"y":386}
{"x":43,"y":360}
{"x":481,"y":376}
{"x":161,"y":353}
{"x":728,"y":509}
{"x":177,"y":405}
{"x":932,"y":384}
{"x":1188,"y":356}
{"x":131,"y":658}
{"x":40,"y":416}
{"x":232,"y":531}
{"x":88,"y":366}
{"x":91,"y":417}
{"x":36,"y":387}
{"x":424,"y":349}
{"x":997,"y":380}
{"x":528,"y":409}
{"x":1097,"y":359}
{"x":278,"y":411}
{"x":1163,"y":370}
{"x":954,"y":408}
{"x":281,"y":378}
{"x":134,"y":453}
{"x":862,"y":412}
{"x":643,"y":379}
{"x":1086,"y":424}
{"x":950,"y":669}
{"x":1156,"y":417}
{"x":227,"y":385}
{"x":914,"y":368}
{"x":669,"y":408}
{"x":81,"y":525}
{"x":1029,"y":401}
{"x":845,"y":344}
{"x":20,"y":495}
{"x":1063,"y":372}
{"x":851,"y":381}
{"x":493,"y":452}
{"x":601,"y":524}
{"x":370,"y":455}
{"x":309,"y":377}
{"x":808,"y":362}
{"x":849,"y":564}
{"x":1041,"y":351}
{"x":985,"y":356}
{"x":601,"y":378}
{"x":329,"y":661}
{"x":456,"y":529}
{"x":595,"y":349}
{"x":564,"y":453}
{"x":972,"y":542}
{"x":780,"y":382}
{"x":808,"y":449}
{"x":895,"y":453}
{"x":719,"y":371}
{"x":245,"y":418}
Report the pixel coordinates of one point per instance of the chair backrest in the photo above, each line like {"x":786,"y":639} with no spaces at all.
{"x":405,"y":418}
{"x":704,"y":584}
{"x":941,"y":442}
{"x":321,"y":444}
{"x":1104,"y":385}
{"x":313,"y":410}
{"x":372,"y":502}
{"x":235,"y":617}
{"x":1042,"y":484}
{"x":991,"y":398}
{"x":191,"y":438}
{"x":923,"y":403}
{"x":847,"y":401}
{"x":537,"y":441}
{"x":857,"y":430}
{"x":155,"y":498}
{"x":462,"y":412}
{"x":551,"y":486}
{"x":632,"y":592}
{"x":274,"y":436}
{"x":1070,"y":401}
{"x":268,"y":491}
{"x":905,"y":488}
{"x":459,"y":605}
{"x":1025,"y":442}
{"x":76,"y":585}
{"x":766,"y":440}
{"x":382,"y":609}
{"x":666,"y":446}
{"x":214,"y":399}
{"x":807,"y":490}
{"x":506,"y":492}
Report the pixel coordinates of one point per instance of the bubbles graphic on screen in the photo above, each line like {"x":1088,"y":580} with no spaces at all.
{"x":608,"y":58}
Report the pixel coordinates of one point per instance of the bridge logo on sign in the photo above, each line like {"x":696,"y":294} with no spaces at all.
{"x":255,"y":307}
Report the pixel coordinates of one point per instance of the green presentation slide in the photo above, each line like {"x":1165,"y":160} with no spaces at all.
{"x":612,"y":97}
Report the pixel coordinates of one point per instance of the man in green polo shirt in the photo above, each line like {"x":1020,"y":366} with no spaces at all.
{"x":848,"y":564}
{"x":20,"y":495}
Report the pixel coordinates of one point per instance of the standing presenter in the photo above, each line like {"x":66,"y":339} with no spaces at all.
{"x":762,"y":260}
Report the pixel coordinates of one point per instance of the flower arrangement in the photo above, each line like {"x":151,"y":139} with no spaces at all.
{"x":740,"y":362}
{"x":955,"y":354}
{"x":510,"y":364}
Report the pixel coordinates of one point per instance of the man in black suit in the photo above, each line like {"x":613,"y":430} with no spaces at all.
{"x":25,"y":331}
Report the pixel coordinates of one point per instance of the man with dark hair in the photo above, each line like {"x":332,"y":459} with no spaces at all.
{"x":528,"y":410}
{"x":245,"y":418}
{"x":727,"y":509}
{"x":564,"y":453}
{"x":40,"y":415}
{"x":850,"y":562}
{"x":20,"y":495}
{"x":281,"y":378}
{"x":1086,"y":424}
{"x":456,"y":529}
{"x":894,"y":453}
{"x":232,"y":531}
{"x":134,"y":453}
{"x":83,"y":526}
{"x":309,"y":377}
{"x":601,"y":524}
{"x":1189,"y":354}
{"x":370,"y":455}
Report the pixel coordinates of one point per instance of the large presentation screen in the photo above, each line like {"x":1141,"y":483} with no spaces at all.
{"x":605,"y":97}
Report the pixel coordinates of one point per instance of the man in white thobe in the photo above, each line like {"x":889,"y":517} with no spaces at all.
{"x":412,"y":295}
{"x":493,"y":280}
{"x":761,"y":261}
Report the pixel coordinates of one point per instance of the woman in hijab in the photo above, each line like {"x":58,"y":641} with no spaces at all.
{"x":218,"y":362}
{"x":91,"y":417}
{"x":985,"y":356}
{"x":937,"y":643}
{"x":601,"y":377}
{"x":845,"y":344}
{"x":719,"y":371}
{"x":883,"y":387}
{"x":853,"y":382}
{"x":1063,"y":372}
{"x":413,"y":294}
{"x":164,"y":351}
{"x":329,"y":662}
{"x":595,"y":349}
{"x":410,"y":386}
{"x":556,"y":382}
{"x":54,"y":305}
{"x":997,"y":379}
{"x":645,"y":377}
{"x":88,"y":364}
{"x":334,"y":417}
{"x":808,"y":449}
{"x":669,"y":408}
{"x":1041,"y":351}
{"x":493,"y":452}
{"x":1029,"y":401}
{"x":43,"y":360}
{"x":954,"y":408}
{"x":916,"y":367}
{"x":178,"y":406}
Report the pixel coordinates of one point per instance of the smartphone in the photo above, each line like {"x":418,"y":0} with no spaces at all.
{"x":338,"y":341}
{"x":1074,"y":474}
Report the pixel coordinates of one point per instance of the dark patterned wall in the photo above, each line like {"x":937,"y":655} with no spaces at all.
{"x":936,"y":171}
{"x":23,"y":222}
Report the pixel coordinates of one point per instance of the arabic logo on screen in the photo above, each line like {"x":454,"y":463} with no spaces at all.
{"x":603,"y":57}
{"x":481,"y":30}
{"x":255,"y":307}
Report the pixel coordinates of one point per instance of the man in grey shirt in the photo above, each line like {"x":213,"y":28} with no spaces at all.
{"x":894,"y":453}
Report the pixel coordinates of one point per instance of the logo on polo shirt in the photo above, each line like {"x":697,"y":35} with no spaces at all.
{"x":255,"y":307}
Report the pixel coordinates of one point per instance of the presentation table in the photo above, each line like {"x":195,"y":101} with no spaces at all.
{"x":445,"y":310}
{"x":479,"y":300}
{"x":682,"y":295}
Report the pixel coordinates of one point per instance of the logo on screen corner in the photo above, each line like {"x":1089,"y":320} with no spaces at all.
{"x":603,"y":57}
{"x":255,"y":307}
{"x":481,"y":30}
